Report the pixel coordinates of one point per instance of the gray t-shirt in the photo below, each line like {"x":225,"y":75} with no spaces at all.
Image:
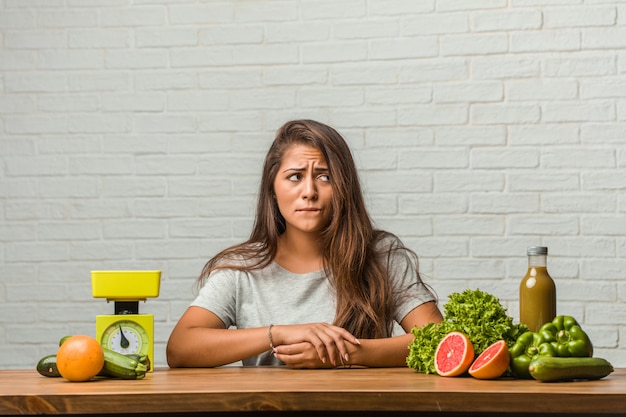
{"x":273,"y":295}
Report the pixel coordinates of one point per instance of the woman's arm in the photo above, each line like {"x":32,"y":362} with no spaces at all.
{"x":200,"y":339}
{"x":393,"y":351}
{"x":388,"y":352}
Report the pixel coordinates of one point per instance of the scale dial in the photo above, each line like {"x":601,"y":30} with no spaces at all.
{"x":126,"y":337}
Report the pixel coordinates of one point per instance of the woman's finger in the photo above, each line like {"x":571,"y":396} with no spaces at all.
{"x":335,"y":344}
{"x":299,"y":355}
{"x":328,"y":340}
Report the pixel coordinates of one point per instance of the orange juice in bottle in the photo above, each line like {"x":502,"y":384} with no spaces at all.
{"x":537,"y":291}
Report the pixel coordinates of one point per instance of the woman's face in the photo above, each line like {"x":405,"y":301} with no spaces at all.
{"x":303,"y":190}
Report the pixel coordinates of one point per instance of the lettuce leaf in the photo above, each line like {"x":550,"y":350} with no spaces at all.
{"x":477,"y":314}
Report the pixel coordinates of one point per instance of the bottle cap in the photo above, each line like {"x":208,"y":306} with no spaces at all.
{"x":537,"y":250}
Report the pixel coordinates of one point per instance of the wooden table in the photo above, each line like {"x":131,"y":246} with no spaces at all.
{"x":235,"y":391}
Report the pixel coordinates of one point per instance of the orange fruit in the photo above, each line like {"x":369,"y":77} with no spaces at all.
{"x":80,"y":358}
{"x":454,"y":354}
{"x":492,"y":362}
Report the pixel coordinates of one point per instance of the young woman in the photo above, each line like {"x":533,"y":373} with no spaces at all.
{"x":315,"y":285}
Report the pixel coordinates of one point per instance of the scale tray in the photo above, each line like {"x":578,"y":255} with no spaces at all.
{"x":125,"y":285}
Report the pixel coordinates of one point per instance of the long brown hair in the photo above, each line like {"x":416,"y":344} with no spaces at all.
{"x":355,"y":261}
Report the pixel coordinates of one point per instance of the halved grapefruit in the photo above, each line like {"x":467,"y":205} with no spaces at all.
{"x":454,"y":354}
{"x":492,"y":362}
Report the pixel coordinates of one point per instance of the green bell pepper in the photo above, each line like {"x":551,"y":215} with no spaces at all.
{"x":526,"y":348}
{"x":567,"y":337}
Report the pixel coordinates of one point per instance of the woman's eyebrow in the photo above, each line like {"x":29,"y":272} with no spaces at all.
{"x":294,"y":169}
{"x":316,"y":169}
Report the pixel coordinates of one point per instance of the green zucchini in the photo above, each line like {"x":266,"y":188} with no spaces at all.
{"x":139,"y":358}
{"x":551,"y":369}
{"x":122,"y":366}
{"x":47,"y":366}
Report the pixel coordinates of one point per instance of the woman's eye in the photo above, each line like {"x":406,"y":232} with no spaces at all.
{"x":294,"y":177}
{"x":324,"y":177}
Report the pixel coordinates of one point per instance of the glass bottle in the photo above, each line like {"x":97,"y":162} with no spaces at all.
{"x":537,"y":292}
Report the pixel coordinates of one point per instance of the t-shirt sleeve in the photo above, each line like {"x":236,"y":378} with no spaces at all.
{"x":218,"y":295}
{"x":408,"y":288}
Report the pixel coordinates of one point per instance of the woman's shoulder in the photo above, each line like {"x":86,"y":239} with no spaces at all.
{"x":242,"y":256}
{"x":386,"y":241}
{"x":392,"y":251}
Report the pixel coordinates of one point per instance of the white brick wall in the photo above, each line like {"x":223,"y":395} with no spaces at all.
{"x":132,"y":136}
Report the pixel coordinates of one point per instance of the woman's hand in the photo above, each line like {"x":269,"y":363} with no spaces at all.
{"x":297,"y":344}
{"x":300,"y":356}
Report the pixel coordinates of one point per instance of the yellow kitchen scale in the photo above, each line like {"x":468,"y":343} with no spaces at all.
{"x":126,"y":331}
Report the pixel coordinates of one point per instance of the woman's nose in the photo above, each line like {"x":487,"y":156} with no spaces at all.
{"x":310,"y":190}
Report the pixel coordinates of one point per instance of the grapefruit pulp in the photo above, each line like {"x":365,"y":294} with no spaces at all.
{"x":454,"y":354}
{"x":492,"y":362}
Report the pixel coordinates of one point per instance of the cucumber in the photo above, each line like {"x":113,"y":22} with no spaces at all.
{"x":551,"y":369}
{"x":47,"y":366}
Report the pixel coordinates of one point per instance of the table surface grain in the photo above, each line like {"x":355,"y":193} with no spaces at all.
{"x":236,"y":389}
